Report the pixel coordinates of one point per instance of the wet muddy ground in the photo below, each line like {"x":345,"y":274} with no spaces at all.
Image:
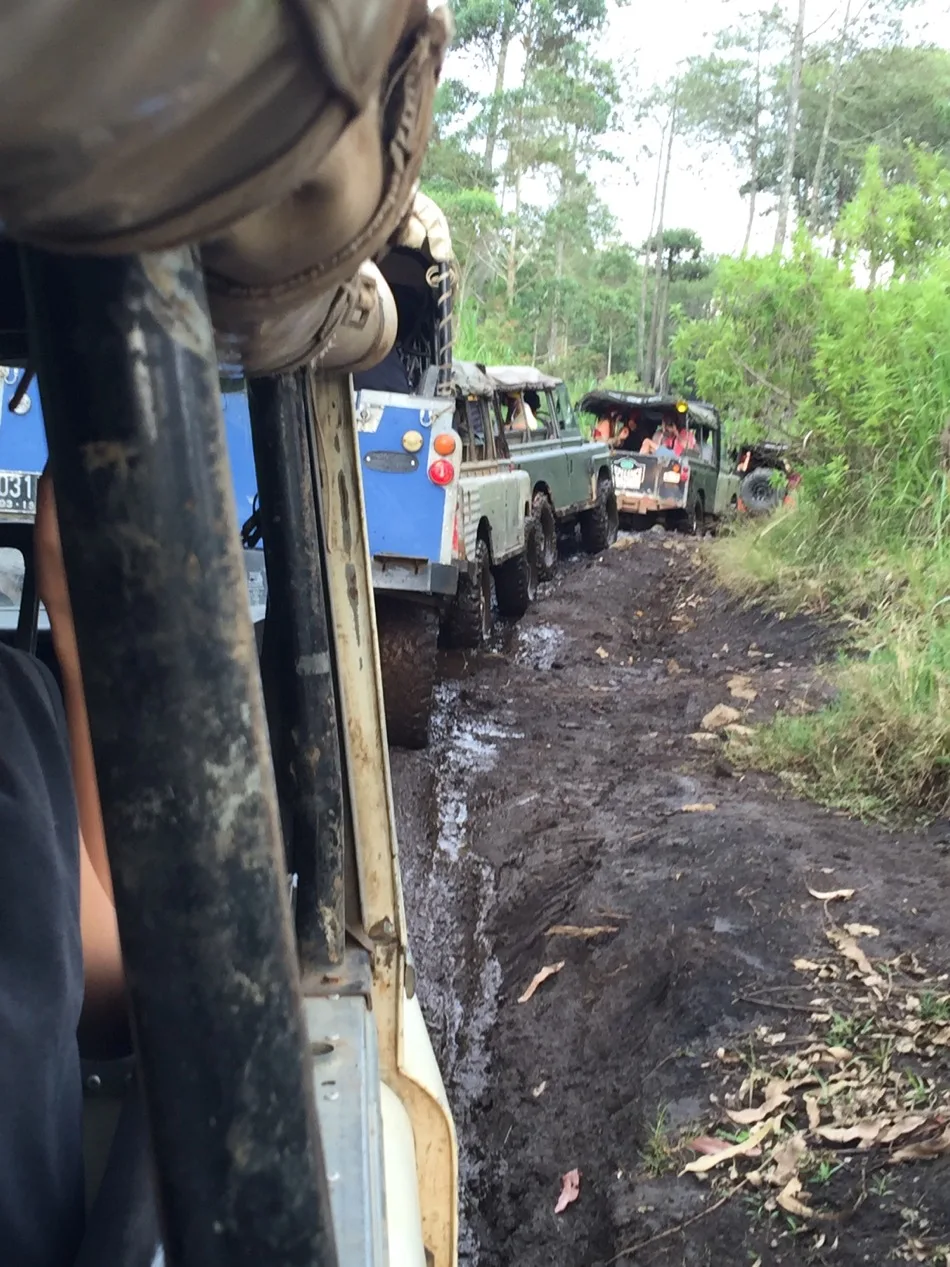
{"x":553,"y":794}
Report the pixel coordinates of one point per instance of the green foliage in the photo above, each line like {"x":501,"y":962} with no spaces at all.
{"x":887,"y":97}
{"x":859,"y":377}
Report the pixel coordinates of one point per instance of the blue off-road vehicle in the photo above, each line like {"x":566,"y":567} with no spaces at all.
{"x":23,"y":457}
{"x":452,"y":538}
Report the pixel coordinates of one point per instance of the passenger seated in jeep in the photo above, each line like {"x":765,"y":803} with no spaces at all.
{"x":519,"y":416}
{"x":605,"y":427}
{"x":663,"y":443}
{"x":536,"y":411}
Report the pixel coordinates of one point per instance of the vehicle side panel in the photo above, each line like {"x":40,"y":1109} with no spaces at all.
{"x":410,"y":520}
{"x":498,"y":493}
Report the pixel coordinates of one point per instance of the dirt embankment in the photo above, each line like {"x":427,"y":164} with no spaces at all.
{"x":566,"y":787}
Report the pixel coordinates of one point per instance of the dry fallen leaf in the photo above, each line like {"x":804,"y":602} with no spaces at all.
{"x":774,"y":1097}
{"x":701,"y":807}
{"x":740,"y":688}
{"x":862,"y":1132}
{"x":862,"y":930}
{"x":747,"y":1148}
{"x":805,"y":965}
{"x":576,"y":930}
{"x":850,"y":949}
{"x":539,"y":978}
{"x":925,"y":1149}
{"x":787,"y":1158}
{"x":570,"y":1190}
{"x":788,"y":1200}
{"x":720,"y":716}
{"x":709,"y":1145}
{"x":604,"y":655}
{"x":813,"y":1111}
{"x":832,"y":895}
{"x":540,"y":1089}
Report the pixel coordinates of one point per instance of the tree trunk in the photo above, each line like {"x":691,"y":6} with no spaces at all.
{"x":556,"y":303}
{"x":610,"y":350}
{"x":494,"y":109}
{"x":652,"y":350}
{"x":642,"y":314}
{"x":819,"y":171}
{"x":659,"y":359}
{"x":755,"y":141}
{"x":791,"y":135}
{"x":514,"y":160}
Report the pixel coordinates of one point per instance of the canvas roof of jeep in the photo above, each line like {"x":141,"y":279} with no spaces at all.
{"x":628,"y":402}
{"x":470,"y":379}
{"x":518,"y":378}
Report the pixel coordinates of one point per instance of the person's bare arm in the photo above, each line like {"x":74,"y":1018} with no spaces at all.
{"x":104,"y":1029}
{"x":51,"y":585}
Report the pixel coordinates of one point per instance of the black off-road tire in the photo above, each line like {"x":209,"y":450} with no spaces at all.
{"x":471,"y":617}
{"x":695,"y":522}
{"x":543,"y":514}
{"x":408,"y":644}
{"x":516,"y":580}
{"x":758,"y":494}
{"x":599,"y":524}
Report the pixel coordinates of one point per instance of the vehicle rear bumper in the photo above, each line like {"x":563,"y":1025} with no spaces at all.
{"x":414,"y":577}
{"x":643,"y":504}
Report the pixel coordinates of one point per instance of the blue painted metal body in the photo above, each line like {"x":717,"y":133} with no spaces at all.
{"x":411,"y":521}
{"x":23,"y":449}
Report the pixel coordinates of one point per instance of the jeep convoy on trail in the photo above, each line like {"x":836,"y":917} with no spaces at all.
{"x":571,"y":480}
{"x":672,"y":463}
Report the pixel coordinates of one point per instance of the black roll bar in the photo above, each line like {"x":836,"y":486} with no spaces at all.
{"x":298,"y":648}
{"x":126,"y":362}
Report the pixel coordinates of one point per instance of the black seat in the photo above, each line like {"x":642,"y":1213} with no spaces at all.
{"x":122,"y":1226}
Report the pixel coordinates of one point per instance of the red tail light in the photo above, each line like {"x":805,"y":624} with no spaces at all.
{"x":441,"y":472}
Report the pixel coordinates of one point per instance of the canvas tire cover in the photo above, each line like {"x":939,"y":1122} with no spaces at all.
{"x":128,"y":129}
{"x":276,"y":265}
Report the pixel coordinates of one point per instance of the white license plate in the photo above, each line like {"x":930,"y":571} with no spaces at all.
{"x":18,"y":493}
{"x":628,"y":478}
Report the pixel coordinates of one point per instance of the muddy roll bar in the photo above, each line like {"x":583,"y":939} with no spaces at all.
{"x":127,"y":367}
{"x":298,"y":659}
{"x":444,"y":289}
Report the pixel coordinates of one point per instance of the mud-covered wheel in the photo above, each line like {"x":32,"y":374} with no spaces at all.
{"x":759,"y":493}
{"x":516,"y":580}
{"x":696,"y":521}
{"x":408,"y":644}
{"x":470,"y":618}
{"x":599,"y":524}
{"x":543,"y":514}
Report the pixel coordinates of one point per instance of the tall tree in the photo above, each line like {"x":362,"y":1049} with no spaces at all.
{"x":791,"y":128}
{"x":652,"y":344}
{"x":726,"y":98}
{"x":832,"y":93}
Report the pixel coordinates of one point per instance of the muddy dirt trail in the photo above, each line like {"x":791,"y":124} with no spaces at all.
{"x":553,"y":795}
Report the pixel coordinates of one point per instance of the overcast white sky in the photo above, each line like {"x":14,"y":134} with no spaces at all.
{"x":703,"y":191}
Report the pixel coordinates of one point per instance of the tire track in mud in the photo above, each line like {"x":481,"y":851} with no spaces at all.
{"x":453,"y":894}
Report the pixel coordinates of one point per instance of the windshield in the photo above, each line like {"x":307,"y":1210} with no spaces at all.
{"x":563,"y":409}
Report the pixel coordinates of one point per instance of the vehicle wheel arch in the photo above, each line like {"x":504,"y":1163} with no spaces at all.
{"x":483,"y":533}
